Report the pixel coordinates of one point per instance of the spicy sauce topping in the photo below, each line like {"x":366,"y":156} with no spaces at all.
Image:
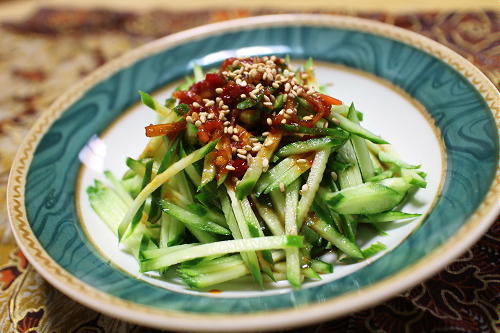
{"x":245,"y":100}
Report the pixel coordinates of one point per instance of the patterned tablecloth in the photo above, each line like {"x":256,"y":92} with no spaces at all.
{"x":45,"y":53}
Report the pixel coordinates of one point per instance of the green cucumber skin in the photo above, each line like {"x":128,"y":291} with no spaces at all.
{"x":330,"y":234}
{"x":192,"y":219}
{"x":270,"y":176}
{"x":367,"y":198}
{"x":308,"y":146}
{"x":354,"y":128}
{"x":387,"y":217}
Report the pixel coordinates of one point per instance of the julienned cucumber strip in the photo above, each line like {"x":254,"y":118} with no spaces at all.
{"x":256,"y":231}
{"x":191,"y":219}
{"x":270,"y":218}
{"x":111,"y":209}
{"x":351,"y":175}
{"x":209,"y":170}
{"x":160,"y":179}
{"x":149,"y":101}
{"x":330,"y":234}
{"x":367,"y":198}
{"x":223,"y":247}
{"x":155,"y":211}
{"x":362,"y":153}
{"x":139,"y":214}
{"x":292,"y":255}
{"x":205,"y":280}
{"x":316,"y":144}
{"x":119,"y":188}
{"x":336,"y":132}
{"x":246,"y":185}
{"x":288,"y":177}
{"x":354,"y":128}
{"x":387,"y":217}
{"x":198,"y":73}
{"x":313,"y":181}
{"x":270,"y":176}
{"x":252,"y":261}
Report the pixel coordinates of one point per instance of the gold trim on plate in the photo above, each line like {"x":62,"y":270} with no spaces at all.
{"x":476,"y":225}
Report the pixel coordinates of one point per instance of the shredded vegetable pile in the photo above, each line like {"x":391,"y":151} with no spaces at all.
{"x":253,"y":170}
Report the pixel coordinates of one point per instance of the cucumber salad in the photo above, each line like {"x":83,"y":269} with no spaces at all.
{"x":252,"y":169}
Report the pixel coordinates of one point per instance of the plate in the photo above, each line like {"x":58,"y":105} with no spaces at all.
{"x":430,"y":103}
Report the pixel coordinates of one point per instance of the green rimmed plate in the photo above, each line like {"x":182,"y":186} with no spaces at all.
{"x":390,"y":73}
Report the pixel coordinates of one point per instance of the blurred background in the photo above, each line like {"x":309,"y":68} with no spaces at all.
{"x":45,"y":46}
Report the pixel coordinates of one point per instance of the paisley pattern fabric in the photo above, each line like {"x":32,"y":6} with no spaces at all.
{"x":68,"y":44}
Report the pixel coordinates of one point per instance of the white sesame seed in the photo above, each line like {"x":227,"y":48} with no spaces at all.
{"x":282,"y":187}
{"x":265,"y":162}
{"x":283,"y":121}
{"x":243,"y":96}
{"x":268,"y":120}
{"x":334,"y":175}
{"x":254,"y":139}
{"x":230,"y":129}
{"x":287,"y":116}
{"x":287,"y":87}
{"x":276,"y":85}
{"x":249,"y":158}
{"x":225,"y":130}
{"x":211,"y":116}
{"x":203,"y":118}
{"x":266,"y":98}
{"x":310,"y":91}
{"x":248,"y":147}
{"x":307,"y":118}
{"x":235,"y":138}
{"x":233,"y":149}
{"x":230,"y":168}
{"x":221,"y":116}
{"x":264,"y":77}
{"x":219,"y":90}
{"x":289,"y":111}
{"x":256,"y":148}
{"x":218,"y":99}
{"x":243,"y":83}
{"x":325,"y":125}
{"x":196,"y":104}
{"x":225,"y":107}
{"x":189,"y":119}
{"x":273,"y":58}
{"x":221,"y":103}
{"x":304,"y":188}
{"x":268,"y":103}
{"x":243,"y":157}
{"x":301,"y":160}
{"x":241,"y":151}
{"x":268,"y":143}
{"x":252,"y":95}
{"x":226,"y":123}
{"x":265,"y":133}
{"x":197,"y":123}
{"x":235,"y":130}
